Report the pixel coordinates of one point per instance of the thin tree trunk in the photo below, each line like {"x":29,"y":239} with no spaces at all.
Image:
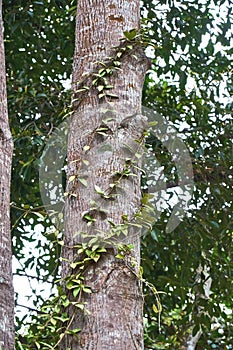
{"x":116,"y":302}
{"x":190,"y":341}
{"x":6,"y":147}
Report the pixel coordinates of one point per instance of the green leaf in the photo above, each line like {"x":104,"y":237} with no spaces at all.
{"x":71,"y":178}
{"x":120,"y":256}
{"x":101,"y":95}
{"x":76,"y":292}
{"x":101,"y":250}
{"x":80,"y":90}
{"x":88,"y":218}
{"x":95,"y":247}
{"x":79,"y":306}
{"x":138,"y":155}
{"x":53,"y":321}
{"x":130,"y":35}
{"x":73,"y":331}
{"x":100,"y":87}
{"x":86,"y":148}
{"x":98,"y":190}
{"x":86,"y":162}
{"x":112,"y":95}
{"x":39,"y":216}
{"x":18,"y":344}
{"x":96,"y":258}
{"x":83,"y":181}
{"x":66,"y":303}
{"x":73,"y":265}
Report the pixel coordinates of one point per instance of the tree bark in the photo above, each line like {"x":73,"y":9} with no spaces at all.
{"x":6,"y":147}
{"x":116,"y":303}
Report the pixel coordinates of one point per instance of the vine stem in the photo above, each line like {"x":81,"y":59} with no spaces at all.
{"x":62,"y":335}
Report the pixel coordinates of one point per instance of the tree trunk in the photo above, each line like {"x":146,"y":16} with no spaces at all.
{"x":190,"y":341}
{"x":6,"y":147}
{"x":101,"y":146}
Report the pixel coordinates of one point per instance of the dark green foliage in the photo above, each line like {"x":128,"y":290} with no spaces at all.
{"x":39,"y":44}
{"x":205,"y":236}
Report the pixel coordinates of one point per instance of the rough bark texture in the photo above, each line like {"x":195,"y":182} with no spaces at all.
{"x":116,"y":302}
{"x":6,"y":146}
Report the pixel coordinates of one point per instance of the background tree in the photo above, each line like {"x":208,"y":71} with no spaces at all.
{"x":193,"y":45}
{"x":6,"y":147}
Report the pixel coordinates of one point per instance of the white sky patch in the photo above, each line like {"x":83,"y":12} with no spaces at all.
{"x":25,"y":286}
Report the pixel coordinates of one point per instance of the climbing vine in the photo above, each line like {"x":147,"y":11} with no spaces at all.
{"x":98,"y":78}
{"x":54,"y":321}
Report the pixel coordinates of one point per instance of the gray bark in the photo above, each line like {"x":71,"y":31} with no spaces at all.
{"x":116,"y":302}
{"x":190,"y":341}
{"x":6,"y":146}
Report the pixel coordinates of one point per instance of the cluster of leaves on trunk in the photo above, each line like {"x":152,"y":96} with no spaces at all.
{"x":40,"y":34}
{"x":53,"y":322}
